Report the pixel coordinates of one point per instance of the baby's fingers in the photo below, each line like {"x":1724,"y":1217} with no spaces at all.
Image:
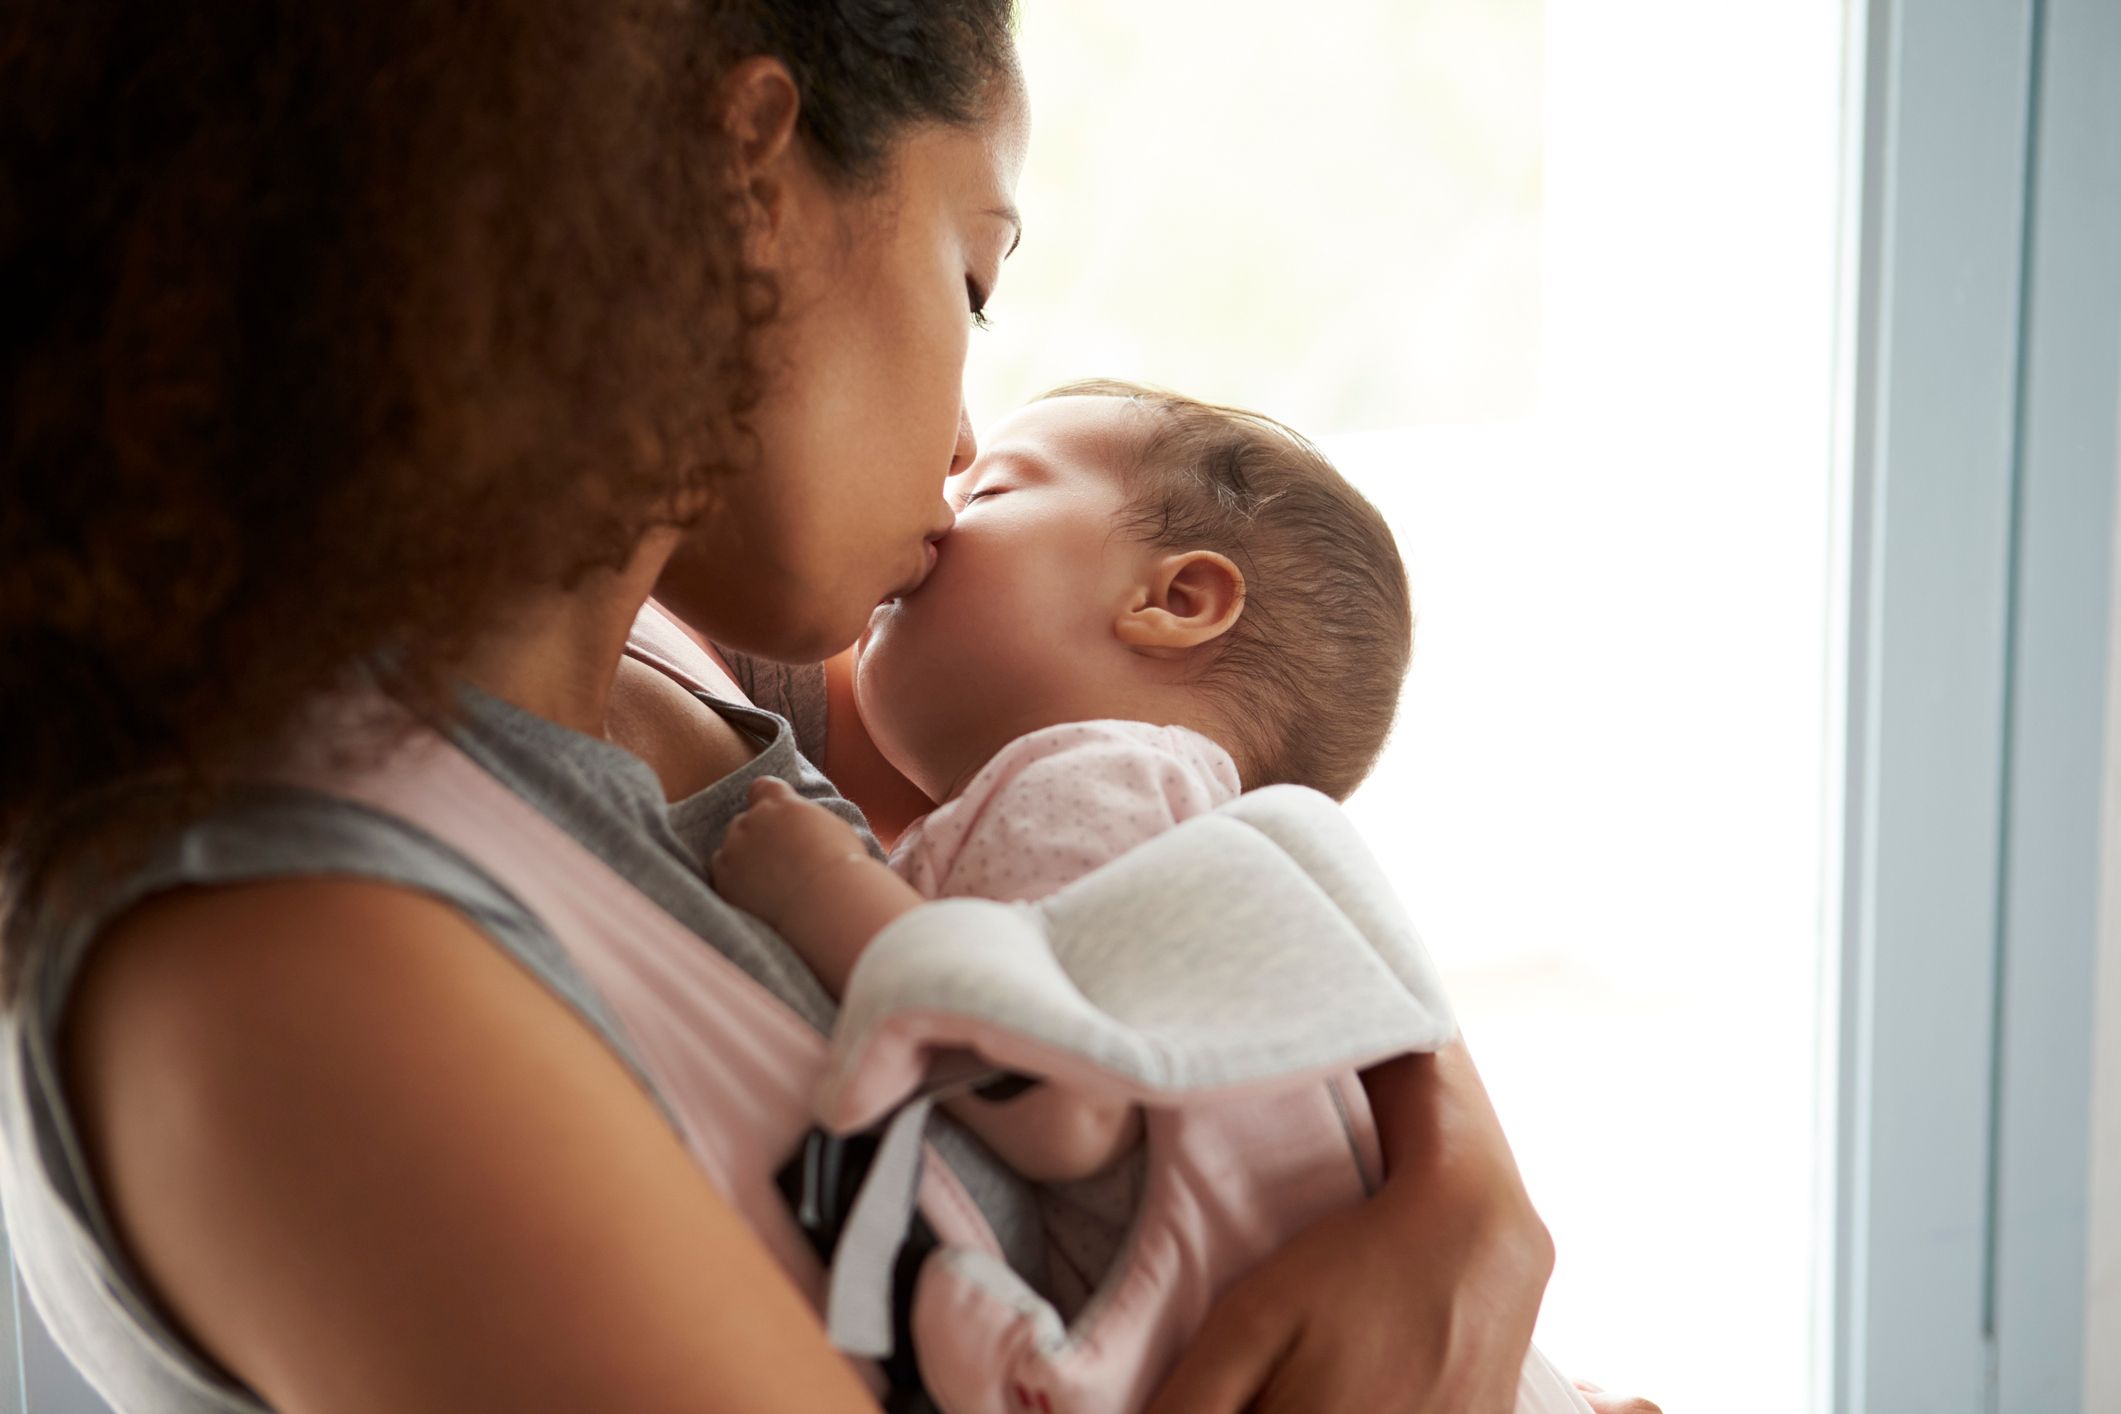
{"x":767,"y":788}
{"x":767,"y":799}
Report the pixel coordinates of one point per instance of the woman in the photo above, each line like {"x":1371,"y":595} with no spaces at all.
{"x":399,"y":353}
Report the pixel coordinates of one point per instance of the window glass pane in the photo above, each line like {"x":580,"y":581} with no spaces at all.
{"x":1553,"y":283}
{"x":1336,"y":217}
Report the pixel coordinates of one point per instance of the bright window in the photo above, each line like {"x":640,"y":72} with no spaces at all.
{"x":1554,"y":285}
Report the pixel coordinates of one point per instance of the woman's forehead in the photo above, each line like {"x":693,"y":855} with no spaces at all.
{"x":990,"y":152}
{"x":966,"y":169}
{"x":1008,"y":124}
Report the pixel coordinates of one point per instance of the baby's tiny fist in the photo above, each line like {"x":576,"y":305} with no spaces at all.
{"x":771,"y":851}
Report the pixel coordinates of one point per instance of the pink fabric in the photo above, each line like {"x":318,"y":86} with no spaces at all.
{"x":1054,"y":804}
{"x":1231,"y":1177}
{"x":667,"y":645}
{"x":734,"y":1065}
{"x":1229,"y":1181}
{"x":1234,"y":1177}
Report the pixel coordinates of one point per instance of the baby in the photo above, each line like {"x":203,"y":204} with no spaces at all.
{"x":1148,"y":605}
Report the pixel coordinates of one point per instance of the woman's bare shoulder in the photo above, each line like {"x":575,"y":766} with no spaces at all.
{"x":367,"y":1161}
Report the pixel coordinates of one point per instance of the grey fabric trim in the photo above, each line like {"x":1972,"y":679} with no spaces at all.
{"x":611,"y":802}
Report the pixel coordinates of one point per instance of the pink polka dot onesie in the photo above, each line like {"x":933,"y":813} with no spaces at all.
{"x":1054,"y":805}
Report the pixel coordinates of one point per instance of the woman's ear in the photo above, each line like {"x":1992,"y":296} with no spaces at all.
{"x":1189,"y":598}
{"x":760,"y":104}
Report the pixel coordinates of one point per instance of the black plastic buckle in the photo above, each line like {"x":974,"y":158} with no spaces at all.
{"x":820,"y":1183}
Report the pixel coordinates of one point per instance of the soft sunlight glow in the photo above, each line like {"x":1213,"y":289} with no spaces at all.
{"x":1554,"y":286}
{"x":1336,"y":218}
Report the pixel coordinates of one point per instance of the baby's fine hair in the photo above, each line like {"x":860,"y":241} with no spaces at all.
{"x":1307,"y":681}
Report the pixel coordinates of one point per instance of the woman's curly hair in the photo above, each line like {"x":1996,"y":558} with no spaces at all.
{"x":330,"y":330}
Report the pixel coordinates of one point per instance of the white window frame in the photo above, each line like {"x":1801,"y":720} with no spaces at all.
{"x":1982,"y":332}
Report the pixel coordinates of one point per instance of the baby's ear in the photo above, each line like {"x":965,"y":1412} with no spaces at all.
{"x":1187,"y":599}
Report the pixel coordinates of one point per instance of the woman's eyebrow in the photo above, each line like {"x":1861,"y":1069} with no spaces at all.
{"x":1015,"y":219}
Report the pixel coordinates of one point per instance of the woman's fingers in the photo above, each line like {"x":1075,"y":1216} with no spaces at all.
{"x":1383,"y":1377}
{"x":1227,"y":1364}
{"x":1348,"y":1318}
{"x":1603,"y":1403}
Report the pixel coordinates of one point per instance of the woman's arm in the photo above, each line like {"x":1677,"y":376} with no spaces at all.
{"x":367,"y":1162}
{"x":1449,"y":1170}
{"x":1422,"y":1299}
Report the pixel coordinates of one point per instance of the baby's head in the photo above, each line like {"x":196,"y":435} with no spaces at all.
{"x":1121,"y":551}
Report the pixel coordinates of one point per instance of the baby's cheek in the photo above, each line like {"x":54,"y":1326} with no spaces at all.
{"x":901,"y":666}
{"x":974,"y":629}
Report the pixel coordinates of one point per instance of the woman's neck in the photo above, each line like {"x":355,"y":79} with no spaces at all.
{"x":558,"y":656}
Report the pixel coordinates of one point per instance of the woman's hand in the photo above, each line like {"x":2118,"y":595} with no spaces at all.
{"x":1399,"y":1306}
{"x":1420,"y":1301}
{"x":1604,"y":1403}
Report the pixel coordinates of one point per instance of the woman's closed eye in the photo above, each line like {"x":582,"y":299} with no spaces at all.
{"x":980,"y":494}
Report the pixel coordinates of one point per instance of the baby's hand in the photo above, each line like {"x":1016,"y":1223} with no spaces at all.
{"x":803,"y":870}
{"x":776,"y":853}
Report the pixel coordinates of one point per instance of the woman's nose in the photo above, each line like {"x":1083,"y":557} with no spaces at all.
{"x":961,"y":455}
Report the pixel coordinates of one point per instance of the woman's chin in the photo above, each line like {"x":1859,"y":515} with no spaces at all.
{"x":793,"y":638}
